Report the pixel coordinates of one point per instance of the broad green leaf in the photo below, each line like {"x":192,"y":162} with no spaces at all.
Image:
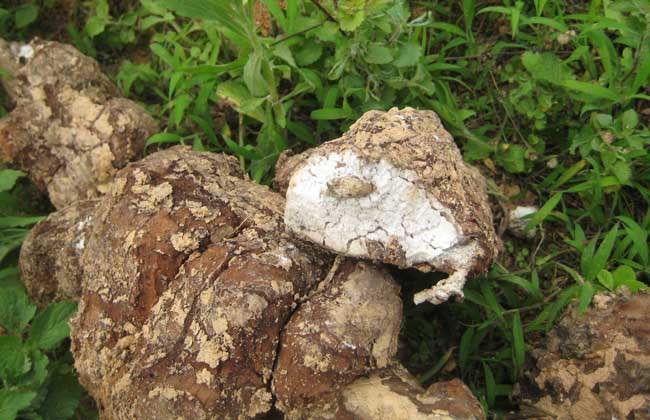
{"x":513,"y":159}
{"x":606,"y":279}
{"x":12,"y":358}
{"x":253,"y":78}
{"x":50,"y":327}
{"x":95,"y":26}
{"x":378,"y":54}
{"x":236,"y":94}
{"x":630,"y":119}
{"x":15,"y":308}
{"x":309,"y":53}
{"x":63,"y":395}
{"x":625,"y":276}
{"x":38,"y":373}
{"x":8,"y":178}
{"x":282,"y":51}
{"x":12,"y":401}
{"x":409,"y":55}
{"x":591,"y":89}
{"x":546,"y":66}
{"x":25,"y":15}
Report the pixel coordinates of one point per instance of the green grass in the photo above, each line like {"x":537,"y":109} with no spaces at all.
{"x":549,"y":98}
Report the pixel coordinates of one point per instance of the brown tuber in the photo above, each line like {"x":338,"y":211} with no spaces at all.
{"x":49,"y":256}
{"x":347,"y":329}
{"x":392,"y":393}
{"x":70,"y":129}
{"x":394,"y":188}
{"x":594,"y":365}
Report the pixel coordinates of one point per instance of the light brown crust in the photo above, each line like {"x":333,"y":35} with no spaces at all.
{"x":70,"y":130}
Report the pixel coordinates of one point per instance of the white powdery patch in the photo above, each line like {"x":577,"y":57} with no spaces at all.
{"x":80,"y":242}
{"x":380,"y":202}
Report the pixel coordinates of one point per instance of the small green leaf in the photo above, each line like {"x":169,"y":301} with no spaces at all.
{"x":378,"y":54}
{"x":330,"y":114}
{"x":12,"y":401}
{"x":630,"y":119}
{"x":586,"y":293}
{"x":601,"y":256}
{"x":15,"y":308}
{"x":95,"y":26}
{"x":12,"y":357}
{"x":513,"y":159}
{"x":465,"y":348}
{"x":606,"y":279}
{"x":63,"y":394}
{"x":180,"y":106}
{"x":309,"y":53}
{"x":25,"y":15}
{"x":8,"y":178}
{"x":490,"y":385}
{"x":625,"y":276}
{"x":50,"y":327}
{"x":409,"y":55}
{"x":591,"y":89}
{"x":163,"y":138}
{"x":253,"y":75}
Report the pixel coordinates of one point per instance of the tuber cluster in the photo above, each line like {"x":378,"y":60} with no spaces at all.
{"x":197,"y":300}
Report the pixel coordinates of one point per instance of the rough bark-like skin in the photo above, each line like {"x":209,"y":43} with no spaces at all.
{"x":392,"y":393}
{"x":70,"y":129}
{"x":49,"y":256}
{"x":596,"y":365}
{"x":188,"y":280}
{"x":416,"y":143}
{"x":350,"y":327}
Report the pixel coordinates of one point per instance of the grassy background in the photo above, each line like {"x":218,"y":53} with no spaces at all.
{"x":550,"y":99}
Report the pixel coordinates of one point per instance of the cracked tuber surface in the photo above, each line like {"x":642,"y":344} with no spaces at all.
{"x":594,"y":365}
{"x":348,"y":328}
{"x":70,"y":129}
